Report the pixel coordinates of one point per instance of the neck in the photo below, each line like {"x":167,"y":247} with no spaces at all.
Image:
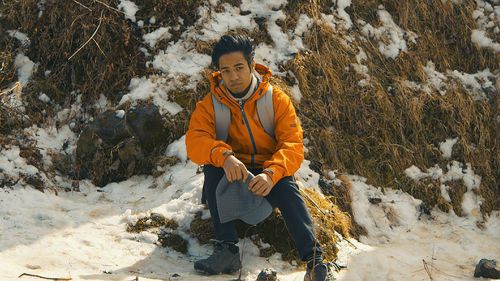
{"x":248,"y":91}
{"x":242,"y":94}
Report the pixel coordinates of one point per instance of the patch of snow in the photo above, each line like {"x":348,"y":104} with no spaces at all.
{"x":341,"y":6}
{"x":155,"y":88}
{"x":12,"y":164}
{"x":447,"y":146}
{"x":129,"y":8}
{"x":120,"y":113}
{"x":25,"y":68}
{"x":390,"y":32}
{"x":307,"y":177}
{"x":476,"y":83}
{"x":22,"y":37}
{"x":43,"y":97}
{"x":157,"y":35}
{"x":178,"y":149}
{"x":486,"y":17}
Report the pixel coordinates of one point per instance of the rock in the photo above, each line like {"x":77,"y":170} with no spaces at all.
{"x":487,"y":268}
{"x":147,"y":126}
{"x":118,"y":145}
{"x":267,"y":274}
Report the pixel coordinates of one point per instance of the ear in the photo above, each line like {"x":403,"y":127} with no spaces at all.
{"x":252,"y":66}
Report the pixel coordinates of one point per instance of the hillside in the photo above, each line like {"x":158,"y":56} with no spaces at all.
{"x":398,"y":100}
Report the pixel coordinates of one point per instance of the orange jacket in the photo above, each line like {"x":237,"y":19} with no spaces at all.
{"x":282,"y":155}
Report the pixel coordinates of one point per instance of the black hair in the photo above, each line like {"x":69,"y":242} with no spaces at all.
{"x":233,"y":43}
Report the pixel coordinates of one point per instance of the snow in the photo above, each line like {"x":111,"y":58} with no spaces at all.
{"x":480,"y":38}
{"x":401,"y":238}
{"x":157,"y":35}
{"x":415,"y":173}
{"x":154,"y":88}
{"x":178,"y":60}
{"x":296,"y":94}
{"x":120,"y":113}
{"x":129,"y":8}
{"x":24,"y":67}
{"x":435,"y":79}
{"x":361,"y":69}
{"x":12,"y":164}
{"x":486,"y":17}
{"x":22,"y":37}
{"x":478,"y":85}
{"x":178,"y":149}
{"x":43,"y":97}
{"x":83,"y":234}
{"x":341,"y":6}
{"x":390,"y":32}
{"x":52,"y":139}
{"x":456,"y":171}
{"x":447,"y":146}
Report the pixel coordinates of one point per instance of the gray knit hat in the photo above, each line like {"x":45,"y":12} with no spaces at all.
{"x":236,"y":201}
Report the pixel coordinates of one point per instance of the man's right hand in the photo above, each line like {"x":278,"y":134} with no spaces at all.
{"x":235,"y":169}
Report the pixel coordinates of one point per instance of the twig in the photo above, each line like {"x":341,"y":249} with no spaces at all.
{"x":426,"y":267}
{"x":99,"y":47}
{"x":82,"y":5}
{"x":91,"y":37}
{"x":114,"y":9}
{"x":15,"y":88}
{"x":48,"y":278}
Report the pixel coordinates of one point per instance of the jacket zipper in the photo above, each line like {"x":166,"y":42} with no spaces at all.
{"x":242,"y":104}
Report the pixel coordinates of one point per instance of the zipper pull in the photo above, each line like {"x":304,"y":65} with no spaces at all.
{"x":242,"y":111}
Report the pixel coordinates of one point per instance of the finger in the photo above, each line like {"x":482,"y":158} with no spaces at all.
{"x":239,"y":173}
{"x":261,"y":191}
{"x":230,"y":175}
{"x":267,"y":191}
{"x":252,"y":183}
{"x":255,"y":183}
{"x":245,"y":173}
{"x":259,"y":188}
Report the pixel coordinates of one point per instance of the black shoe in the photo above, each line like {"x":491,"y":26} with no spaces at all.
{"x":224,"y":259}
{"x":321,"y":272}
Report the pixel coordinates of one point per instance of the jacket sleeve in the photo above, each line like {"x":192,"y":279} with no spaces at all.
{"x":289,"y":153}
{"x":201,"y":144}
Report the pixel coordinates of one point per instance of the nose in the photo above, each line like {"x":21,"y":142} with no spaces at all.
{"x":234,"y":77}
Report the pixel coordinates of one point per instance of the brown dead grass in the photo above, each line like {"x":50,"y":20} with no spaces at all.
{"x":103,"y":66}
{"x":381,"y":130}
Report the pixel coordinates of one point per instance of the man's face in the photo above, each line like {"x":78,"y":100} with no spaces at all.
{"x":235,"y":72}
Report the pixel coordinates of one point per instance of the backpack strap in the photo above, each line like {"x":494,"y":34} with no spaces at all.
{"x":222,"y":119}
{"x":266,"y":111}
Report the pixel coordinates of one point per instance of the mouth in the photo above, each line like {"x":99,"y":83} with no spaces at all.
{"x":236,"y":85}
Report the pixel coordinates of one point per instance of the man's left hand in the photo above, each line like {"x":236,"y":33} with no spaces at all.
{"x":261,"y":184}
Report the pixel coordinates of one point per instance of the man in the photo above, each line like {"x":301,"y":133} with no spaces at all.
{"x":247,"y":147}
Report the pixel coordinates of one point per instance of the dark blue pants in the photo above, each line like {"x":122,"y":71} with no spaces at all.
{"x":285,"y":196}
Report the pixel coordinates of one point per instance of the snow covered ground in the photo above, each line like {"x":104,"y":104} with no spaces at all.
{"x":83,"y":234}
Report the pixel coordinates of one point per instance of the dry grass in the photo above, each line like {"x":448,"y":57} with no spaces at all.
{"x":152,"y":221}
{"x":380,"y":130}
{"x":103,"y":66}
